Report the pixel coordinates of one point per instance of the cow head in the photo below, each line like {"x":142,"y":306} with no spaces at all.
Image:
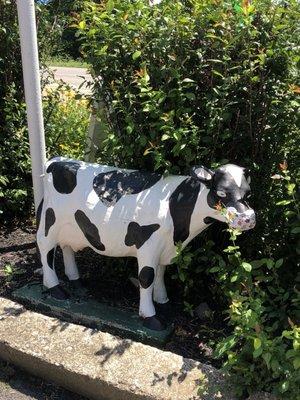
{"x":229,"y":186}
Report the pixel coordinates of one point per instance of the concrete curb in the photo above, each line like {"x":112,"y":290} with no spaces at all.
{"x":99,"y":365}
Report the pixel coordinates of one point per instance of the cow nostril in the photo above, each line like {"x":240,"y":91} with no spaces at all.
{"x":247,"y":220}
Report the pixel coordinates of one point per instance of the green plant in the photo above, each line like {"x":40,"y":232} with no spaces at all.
{"x":61,"y":128}
{"x":11,"y":270}
{"x":264,"y":311}
{"x":15,"y":180}
{"x":206,"y":82}
{"x":66,"y":115}
{"x":55,"y":35}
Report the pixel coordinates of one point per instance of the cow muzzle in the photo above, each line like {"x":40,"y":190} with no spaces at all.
{"x":243,"y":221}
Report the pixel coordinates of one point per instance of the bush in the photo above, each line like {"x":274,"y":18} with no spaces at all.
{"x":66,"y":117}
{"x":191,"y":82}
{"x":15,"y":179}
{"x":56,"y":36}
{"x":66,"y":122}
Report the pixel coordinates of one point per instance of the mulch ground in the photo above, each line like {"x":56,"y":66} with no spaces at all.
{"x":107,"y":280}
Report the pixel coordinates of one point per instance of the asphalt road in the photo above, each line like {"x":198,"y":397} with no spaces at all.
{"x":73,"y":77}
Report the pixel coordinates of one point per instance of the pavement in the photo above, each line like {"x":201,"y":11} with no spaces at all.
{"x":77,"y":78}
{"x":15,"y":384}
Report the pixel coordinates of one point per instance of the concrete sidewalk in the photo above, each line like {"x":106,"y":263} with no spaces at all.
{"x":16,"y":384}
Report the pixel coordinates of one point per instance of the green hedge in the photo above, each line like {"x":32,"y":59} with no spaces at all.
{"x":66,"y":117}
{"x":209,"y":82}
{"x":15,"y":179}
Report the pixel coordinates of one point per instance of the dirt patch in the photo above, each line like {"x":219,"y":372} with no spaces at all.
{"x":192,"y":337}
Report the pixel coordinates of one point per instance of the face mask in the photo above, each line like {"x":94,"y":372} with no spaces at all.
{"x":243,"y":221}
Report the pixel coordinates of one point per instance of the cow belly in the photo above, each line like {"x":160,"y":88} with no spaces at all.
{"x":70,"y":235}
{"x":112,"y":239}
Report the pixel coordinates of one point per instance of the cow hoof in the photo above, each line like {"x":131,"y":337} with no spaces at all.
{"x":59,"y":293}
{"x":165,"y":310}
{"x":154,"y":324}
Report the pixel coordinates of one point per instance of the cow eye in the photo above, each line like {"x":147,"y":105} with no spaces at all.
{"x":220,"y":193}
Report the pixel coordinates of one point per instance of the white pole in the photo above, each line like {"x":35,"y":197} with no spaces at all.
{"x":31,"y":75}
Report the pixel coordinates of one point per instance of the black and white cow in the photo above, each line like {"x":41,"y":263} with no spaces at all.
{"x":120,"y":212}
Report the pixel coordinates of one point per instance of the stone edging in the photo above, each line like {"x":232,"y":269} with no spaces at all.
{"x":99,"y":365}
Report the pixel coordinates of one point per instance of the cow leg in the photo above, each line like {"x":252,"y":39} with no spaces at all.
{"x":160,"y":292}
{"x":160,"y":296}
{"x":47,"y":249}
{"x":71,"y":269}
{"x":146,"y":281}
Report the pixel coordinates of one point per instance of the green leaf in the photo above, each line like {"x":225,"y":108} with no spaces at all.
{"x":296,"y":363}
{"x":190,"y":96}
{"x":257,"y":352}
{"x":102,"y":50}
{"x":291,"y":187}
{"x":225,"y":345}
{"x":284,"y":386}
{"x":267,"y":357}
{"x":188,"y":80}
{"x":82,"y":25}
{"x":214,"y":269}
{"x":217,"y":73}
{"x":257,"y":343}
{"x":284,"y":202}
{"x":247,"y":267}
{"x":165,"y":137}
{"x":296,"y":230}
{"x":230,"y":249}
{"x":136,"y":54}
{"x":182,"y":276}
{"x":279,"y":263}
{"x":110,"y":5}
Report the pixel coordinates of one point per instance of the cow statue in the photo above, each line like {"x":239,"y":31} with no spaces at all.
{"x":119,"y":212}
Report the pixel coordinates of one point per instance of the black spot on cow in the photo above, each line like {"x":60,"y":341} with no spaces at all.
{"x":209,"y":220}
{"x":89,"y":230}
{"x":50,"y":258}
{"x":49,"y":219}
{"x":137,"y":234}
{"x":38,"y":214}
{"x":112,"y":185}
{"x":146,"y":277}
{"x":182,"y":203}
{"x":64,"y":175}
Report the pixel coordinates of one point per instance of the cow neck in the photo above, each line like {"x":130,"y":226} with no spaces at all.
{"x":201,"y":211}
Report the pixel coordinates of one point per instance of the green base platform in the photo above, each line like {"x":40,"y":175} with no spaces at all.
{"x":91,"y":314}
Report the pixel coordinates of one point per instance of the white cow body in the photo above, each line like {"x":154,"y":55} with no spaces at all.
{"x":147,"y":208}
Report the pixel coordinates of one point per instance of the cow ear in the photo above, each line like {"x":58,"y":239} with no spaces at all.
{"x":202,"y":173}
